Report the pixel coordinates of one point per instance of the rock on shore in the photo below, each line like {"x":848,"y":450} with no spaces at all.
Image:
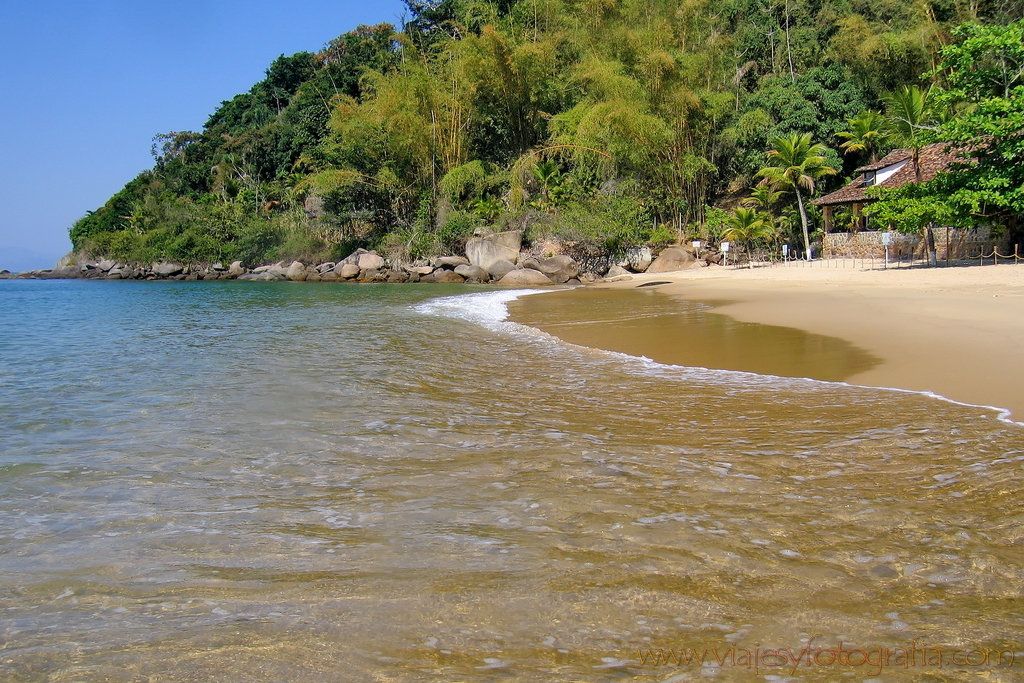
{"x":496,"y":258}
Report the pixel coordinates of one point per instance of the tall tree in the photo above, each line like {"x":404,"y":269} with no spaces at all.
{"x":911,"y":119}
{"x":747,"y":226}
{"x":986,"y":67}
{"x":796,"y":163}
{"x":867,"y":132}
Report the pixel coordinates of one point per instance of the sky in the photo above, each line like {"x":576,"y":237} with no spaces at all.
{"x":86,"y":85}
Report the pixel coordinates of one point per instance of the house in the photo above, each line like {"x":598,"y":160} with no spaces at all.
{"x":895,"y":169}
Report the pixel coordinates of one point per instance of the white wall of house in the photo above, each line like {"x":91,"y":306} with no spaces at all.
{"x":885,"y":173}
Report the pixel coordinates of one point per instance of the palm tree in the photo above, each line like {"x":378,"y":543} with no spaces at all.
{"x":747,"y":226}
{"x":546,"y":173}
{"x":762,"y":198}
{"x":867,"y":132}
{"x":796,"y":163}
{"x":911,"y":119}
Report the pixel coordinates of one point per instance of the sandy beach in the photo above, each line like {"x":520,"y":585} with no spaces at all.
{"x":957,"y":332}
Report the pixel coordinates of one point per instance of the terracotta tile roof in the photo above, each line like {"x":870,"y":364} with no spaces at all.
{"x":893,"y":157}
{"x":933,"y":159}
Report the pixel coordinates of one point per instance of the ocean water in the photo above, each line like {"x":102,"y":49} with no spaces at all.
{"x":298,"y":482}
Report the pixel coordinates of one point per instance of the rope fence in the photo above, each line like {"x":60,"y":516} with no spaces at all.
{"x":767,"y":259}
{"x":995,"y":256}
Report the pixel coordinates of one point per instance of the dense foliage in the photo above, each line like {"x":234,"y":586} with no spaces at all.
{"x":606,"y":122}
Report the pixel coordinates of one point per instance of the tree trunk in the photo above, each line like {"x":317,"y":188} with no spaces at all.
{"x":803,"y":222}
{"x":929,"y":244}
{"x":928,"y":238}
{"x":789,"y":47}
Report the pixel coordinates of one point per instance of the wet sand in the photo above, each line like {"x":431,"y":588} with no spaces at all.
{"x":957,"y":332}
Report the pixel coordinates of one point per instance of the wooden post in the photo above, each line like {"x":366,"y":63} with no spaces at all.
{"x":827,"y":215}
{"x":858,"y":217}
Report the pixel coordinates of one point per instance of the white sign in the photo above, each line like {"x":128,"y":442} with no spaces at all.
{"x":785,"y":249}
{"x":696,"y":245}
{"x":886,"y":238}
{"x":725,"y":247}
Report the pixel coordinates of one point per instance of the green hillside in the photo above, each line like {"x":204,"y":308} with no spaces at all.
{"x":605,"y":122}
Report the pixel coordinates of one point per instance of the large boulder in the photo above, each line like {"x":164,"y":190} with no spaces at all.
{"x":444,"y":276}
{"x":559,"y":268}
{"x":615,"y":271}
{"x":450,"y":262}
{"x":637,"y":259}
{"x":525,"y":277}
{"x":352,"y":258}
{"x":370,"y":261}
{"x":106,"y":265}
{"x":164,"y":269}
{"x":66,"y":271}
{"x":672,"y":259}
{"x":236,"y":269}
{"x":500,"y":269}
{"x":69,"y":259}
{"x":500,"y":246}
{"x":527,"y":261}
{"x":296,"y":272}
{"x":347,"y":270}
{"x":265,"y":276}
{"x":472,"y":273}
{"x":419,"y":270}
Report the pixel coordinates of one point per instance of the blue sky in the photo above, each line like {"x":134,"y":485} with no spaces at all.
{"x":86,"y":85}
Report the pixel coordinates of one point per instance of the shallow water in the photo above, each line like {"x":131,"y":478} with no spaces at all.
{"x":678,"y":332}
{"x":294,"y":482}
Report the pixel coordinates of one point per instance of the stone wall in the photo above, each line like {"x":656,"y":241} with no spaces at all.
{"x":953,"y":243}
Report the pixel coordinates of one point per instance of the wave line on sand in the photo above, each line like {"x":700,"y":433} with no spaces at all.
{"x":490,"y":310}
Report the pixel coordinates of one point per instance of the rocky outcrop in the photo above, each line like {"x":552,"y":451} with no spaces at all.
{"x":370,"y":261}
{"x":637,"y":259}
{"x":360,"y":266}
{"x":444,"y":276}
{"x":473,"y":273}
{"x":296,"y":272}
{"x":347,"y":270}
{"x":485,"y":251}
{"x":673,"y":259}
{"x":500,"y":269}
{"x":527,"y":277}
{"x":163,"y":269}
{"x":450,"y":262}
{"x":559,"y":269}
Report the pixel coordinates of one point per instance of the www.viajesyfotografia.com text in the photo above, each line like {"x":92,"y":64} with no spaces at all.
{"x":917,"y":654}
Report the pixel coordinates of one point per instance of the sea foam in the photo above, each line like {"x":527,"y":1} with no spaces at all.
{"x":490,"y":310}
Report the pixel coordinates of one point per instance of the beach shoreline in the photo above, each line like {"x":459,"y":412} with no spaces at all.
{"x":955,"y":332}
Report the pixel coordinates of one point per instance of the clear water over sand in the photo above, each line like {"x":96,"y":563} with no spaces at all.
{"x":676,"y":332}
{"x":293,"y":482}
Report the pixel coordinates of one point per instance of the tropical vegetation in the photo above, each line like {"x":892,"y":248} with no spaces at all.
{"x":606,"y":123}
